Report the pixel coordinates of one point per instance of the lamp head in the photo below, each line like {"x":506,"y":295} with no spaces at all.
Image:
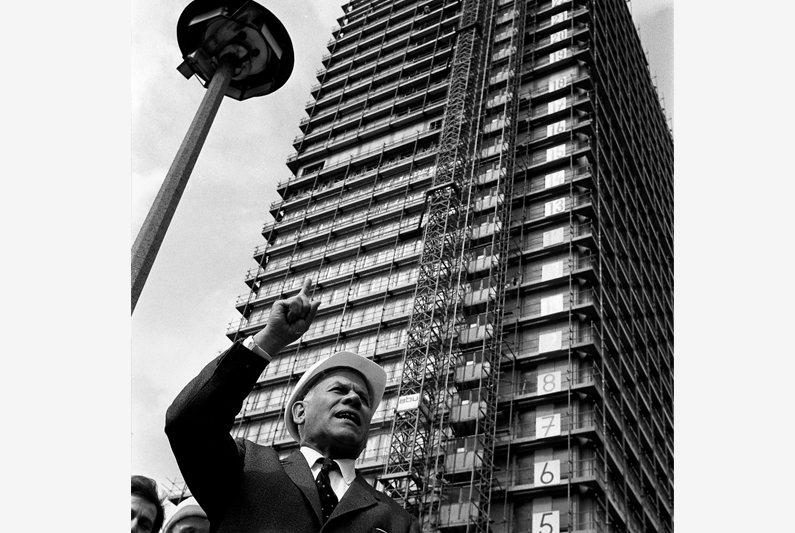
{"x":208,"y":30}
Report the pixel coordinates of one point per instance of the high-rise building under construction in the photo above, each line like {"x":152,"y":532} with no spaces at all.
{"x":483,"y":192}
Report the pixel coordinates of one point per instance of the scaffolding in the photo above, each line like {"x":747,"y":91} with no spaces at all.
{"x":414,"y":465}
{"x":177,"y":491}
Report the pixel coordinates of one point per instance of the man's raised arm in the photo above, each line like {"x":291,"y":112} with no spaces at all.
{"x":199,"y":421}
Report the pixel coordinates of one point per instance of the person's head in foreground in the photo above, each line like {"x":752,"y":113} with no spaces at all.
{"x":145,"y":506}
{"x":332,"y":404}
{"x":188,"y":518}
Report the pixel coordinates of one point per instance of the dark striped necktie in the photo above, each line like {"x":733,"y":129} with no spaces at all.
{"x":328,"y":500}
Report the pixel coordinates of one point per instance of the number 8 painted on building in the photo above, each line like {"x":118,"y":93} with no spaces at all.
{"x":549,"y":383}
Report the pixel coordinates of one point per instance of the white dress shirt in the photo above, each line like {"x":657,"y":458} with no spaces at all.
{"x":340,"y":479}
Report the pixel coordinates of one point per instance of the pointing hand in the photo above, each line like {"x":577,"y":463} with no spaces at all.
{"x":289,"y":319}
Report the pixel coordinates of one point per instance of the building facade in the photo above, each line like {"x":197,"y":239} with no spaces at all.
{"x":483,"y":192}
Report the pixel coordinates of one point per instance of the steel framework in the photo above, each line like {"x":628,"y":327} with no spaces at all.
{"x":413,"y":464}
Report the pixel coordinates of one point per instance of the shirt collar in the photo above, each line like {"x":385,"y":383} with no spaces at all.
{"x":347,"y":467}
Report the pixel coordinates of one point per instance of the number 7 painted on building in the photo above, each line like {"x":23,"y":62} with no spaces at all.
{"x":552,"y":429}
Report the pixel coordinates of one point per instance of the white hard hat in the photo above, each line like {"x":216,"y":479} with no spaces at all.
{"x":373,"y":375}
{"x":187,"y":508}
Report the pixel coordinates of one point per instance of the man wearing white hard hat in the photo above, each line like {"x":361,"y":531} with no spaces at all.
{"x":188,"y":517}
{"x":244,"y":487}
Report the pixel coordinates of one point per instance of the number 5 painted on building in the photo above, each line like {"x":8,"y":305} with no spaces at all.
{"x":548,"y":522}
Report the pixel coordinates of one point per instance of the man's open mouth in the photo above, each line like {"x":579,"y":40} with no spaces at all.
{"x":347,"y":415}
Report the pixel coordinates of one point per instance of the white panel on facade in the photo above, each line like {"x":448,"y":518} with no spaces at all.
{"x":548,"y":426}
{"x":558,"y":55}
{"x":558,"y":2}
{"x":552,"y":304}
{"x":548,"y":342}
{"x":551,"y":270}
{"x":554,"y":207}
{"x":548,"y":522}
{"x":556,"y":105}
{"x":560,"y":17}
{"x":549,"y":382}
{"x":546,"y":473}
{"x":556,"y":178}
{"x":551,"y":237}
{"x":559,"y":83}
{"x":556,"y":152}
{"x":557,"y":127}
{"x":559,"y":35}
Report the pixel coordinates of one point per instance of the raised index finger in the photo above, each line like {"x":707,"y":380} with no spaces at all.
{"x":306,"y":287}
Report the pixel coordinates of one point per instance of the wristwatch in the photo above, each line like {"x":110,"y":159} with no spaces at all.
{"x":251,"y":345}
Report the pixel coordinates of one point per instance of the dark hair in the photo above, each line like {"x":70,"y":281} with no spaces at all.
{"x":147,"y":489}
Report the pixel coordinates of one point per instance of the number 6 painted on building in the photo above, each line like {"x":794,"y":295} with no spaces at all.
{"x":547,"y":473}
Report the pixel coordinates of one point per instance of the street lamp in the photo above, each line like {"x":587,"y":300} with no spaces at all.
{"x":236,"y":48}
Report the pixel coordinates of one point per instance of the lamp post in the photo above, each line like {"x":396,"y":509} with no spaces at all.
{"x":238,"y":49}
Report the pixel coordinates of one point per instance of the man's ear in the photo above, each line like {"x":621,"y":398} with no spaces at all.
{"x":299,"y":412}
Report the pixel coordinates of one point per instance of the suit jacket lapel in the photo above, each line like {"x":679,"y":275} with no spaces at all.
{"x":295,"y":466}
{"x":356,"y":497}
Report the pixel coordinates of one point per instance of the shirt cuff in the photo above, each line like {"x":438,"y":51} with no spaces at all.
{"x":251,"y":345}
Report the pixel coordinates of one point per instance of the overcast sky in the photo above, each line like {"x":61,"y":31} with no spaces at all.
{"x":185,"y":308}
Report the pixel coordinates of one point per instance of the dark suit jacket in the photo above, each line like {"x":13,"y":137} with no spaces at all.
{"x":244,"y":487}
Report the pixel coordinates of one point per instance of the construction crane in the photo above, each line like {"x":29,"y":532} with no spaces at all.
{"x":412,"y":474}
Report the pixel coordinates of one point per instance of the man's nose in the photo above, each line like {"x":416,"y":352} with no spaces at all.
{"x":352,"y":398}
